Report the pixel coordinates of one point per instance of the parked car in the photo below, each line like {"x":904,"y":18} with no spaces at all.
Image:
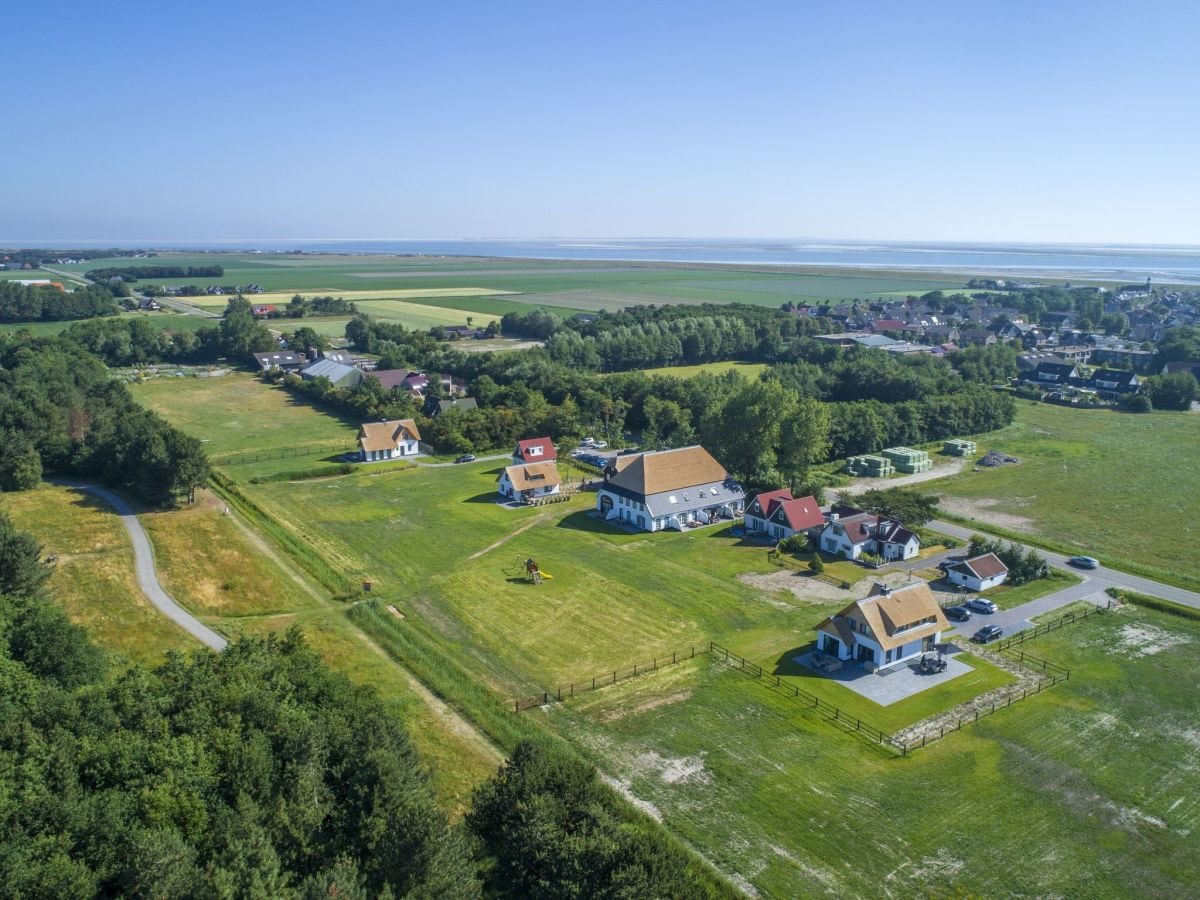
{"x":987,"y":634}
{"x":1084,"y":562}
{"x":588,"y":442}
{"x":982,"y":604}
{"x":600,"y":445}
{"x":957,"y":613}
{"x":466,"y":458}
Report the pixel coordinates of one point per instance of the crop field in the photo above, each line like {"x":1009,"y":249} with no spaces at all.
{"x":555,"y":283}
{"x":1107,"y":484}
{"x":238,"y":414}
{"x":1087,"y":789}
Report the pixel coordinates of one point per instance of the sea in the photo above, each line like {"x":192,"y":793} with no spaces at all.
{"x":1177,"y":264}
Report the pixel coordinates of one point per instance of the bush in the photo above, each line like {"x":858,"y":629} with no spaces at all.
{"x":305,"y":474}
{"x":816,"y":566}
{"x":1155,"y":603}
{"x":797,"y":543}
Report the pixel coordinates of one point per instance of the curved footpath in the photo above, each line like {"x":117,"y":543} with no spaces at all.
{"x":147,"y":574}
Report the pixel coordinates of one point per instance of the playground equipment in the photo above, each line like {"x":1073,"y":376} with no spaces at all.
{"x":536,"y":575}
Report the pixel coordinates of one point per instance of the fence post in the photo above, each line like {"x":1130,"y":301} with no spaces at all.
{"x":593,"y":684}
{"x":614,"y":677}
{"x":635,"y":668}
{"x":545,"y":698}
{"x":516,"y":706}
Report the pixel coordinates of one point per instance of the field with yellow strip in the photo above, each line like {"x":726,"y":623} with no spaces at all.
{"x":218,"y":301}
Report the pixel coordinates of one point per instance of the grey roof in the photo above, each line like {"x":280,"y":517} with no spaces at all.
{"x":339,"y":373}
{"x":278,"y":358}
{"x":699,"y":497}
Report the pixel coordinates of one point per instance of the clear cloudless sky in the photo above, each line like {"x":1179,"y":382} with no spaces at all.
{"x":964,"y":120}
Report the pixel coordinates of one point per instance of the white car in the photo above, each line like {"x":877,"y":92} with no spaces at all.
{"x":982,"y":604}
{"x":600,"y":445}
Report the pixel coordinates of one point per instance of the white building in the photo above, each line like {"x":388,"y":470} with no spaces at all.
{"x":529,"y":481}
{"x":887,"y":628}
{"x":676,"y":489}
{"x":978,"y":573}
{"x":388,"y":440}
{"x":851,"y":532}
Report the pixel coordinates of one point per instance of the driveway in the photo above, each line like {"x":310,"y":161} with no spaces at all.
{"x":147,"y":574}
{"x":478,"y":459}
{"x":1100,"y":579}
{"x":1019,"y":617}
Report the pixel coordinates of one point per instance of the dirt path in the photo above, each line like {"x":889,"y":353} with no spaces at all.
{"x":867,"y":484}
{"x":257,"y":541}
{"x":451,"y":720}
{"x":507,"y":537}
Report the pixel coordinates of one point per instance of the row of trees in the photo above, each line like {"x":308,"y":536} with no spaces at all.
{"x":43,"y":303}
{"x":258,"y":772}
{"x":131,"y":274}
{"x":60,"y":411}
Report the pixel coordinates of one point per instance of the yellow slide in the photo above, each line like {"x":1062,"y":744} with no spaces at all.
{"x":546,"y":575}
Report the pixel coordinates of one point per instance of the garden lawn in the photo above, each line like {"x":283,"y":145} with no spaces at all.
{"x":1088,"y":789}
{"x":1117,"y":486}
{"x":1006,"y":596}
{"x":238,"y":414}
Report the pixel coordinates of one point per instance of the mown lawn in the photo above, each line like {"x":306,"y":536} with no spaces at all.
{"x":1118,"y":486}
{"x":239,"y":414}
{"x":1089,"y":789}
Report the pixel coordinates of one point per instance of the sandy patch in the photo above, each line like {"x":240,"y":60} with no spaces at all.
{"x":1147,"y":640}
{"x":623,"y":788}
{"x":673,"y":770}
{"x":811,"y":590}
{"x":870,"y":484}
{"x":621,"y":712}
{"x":981,"y":510}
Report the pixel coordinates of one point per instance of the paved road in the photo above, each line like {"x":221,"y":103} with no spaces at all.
{"x":1020,"y":617}
{"x":147,"y":574}
{"x":1099,"y":579}
{"x":441,"y":465}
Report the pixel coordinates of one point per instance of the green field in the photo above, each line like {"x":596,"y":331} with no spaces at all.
{"x":1089,"y":789}
{"x":238,"y":414}
{"x":555,"y":283}
{"x":1107,"y":484}
{"x":749,"y":370}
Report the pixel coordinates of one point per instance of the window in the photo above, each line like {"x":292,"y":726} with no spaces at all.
{"x":672,"y":499}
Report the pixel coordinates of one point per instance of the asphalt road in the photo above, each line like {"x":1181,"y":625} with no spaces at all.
{"x":1095,"y":581}
{"x":147,"y":574}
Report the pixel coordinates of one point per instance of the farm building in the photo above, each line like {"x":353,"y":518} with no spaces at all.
{"x":870,"y":466}
{"x":535,"y":450}
{"x":908,"y":460}
{"x":978,"y":573}
{"x":957,"y":447}
{"x":885,"y":629}
{"x":522,"y":482}
{"x":851,"y":533}
{"x":338,"y":373}
{"x":680,"y":489}
{"x":388,"y":440}
{"x":780,"y":515}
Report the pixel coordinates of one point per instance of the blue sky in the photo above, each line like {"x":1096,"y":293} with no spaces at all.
{"x":931,"y":121}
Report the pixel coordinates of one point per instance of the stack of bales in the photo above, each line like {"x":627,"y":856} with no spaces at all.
{"x":869,"y":466}
{"x":909,"y":461}
{"x":956,"y":447}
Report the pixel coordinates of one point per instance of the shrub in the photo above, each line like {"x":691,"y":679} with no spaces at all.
{"x":797,"y":543}
{"x":816,"y":566}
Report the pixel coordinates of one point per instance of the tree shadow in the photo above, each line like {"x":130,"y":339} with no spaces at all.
{"x":584,"y":520}
{"x":486,"y":497}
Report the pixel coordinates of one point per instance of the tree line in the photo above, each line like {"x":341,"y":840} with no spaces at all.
{"x":259,"y":772}
{"x":43,"y":303}
{"x":131,"y":274}
{"x":61,"y":413}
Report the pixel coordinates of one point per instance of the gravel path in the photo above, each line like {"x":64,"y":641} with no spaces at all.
{"x":868,"y":484}
{"x":147,"y":574}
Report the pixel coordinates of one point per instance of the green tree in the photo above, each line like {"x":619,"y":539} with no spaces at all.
{"x":1175,"y":391}
{"x":912,"y":508}
{"x":22,"y":572}
{"x":20,"y":463}
{"x":803,"y":439}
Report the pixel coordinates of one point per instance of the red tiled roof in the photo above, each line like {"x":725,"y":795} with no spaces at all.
{"x":802,"y":513}
{"x":986,"y":566}
{"x":548,"y":453}
{"x":770,"y":500}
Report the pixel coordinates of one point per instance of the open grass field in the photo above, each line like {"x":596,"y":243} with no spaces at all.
{"x":557,"y":283}
{"x":746,"y":369}
{"x":237,"y":414}
{"x":1086,"y":789}
{"x":1112,"y":485}
{"x":218,"y":301}
{"x":1089,"y":789}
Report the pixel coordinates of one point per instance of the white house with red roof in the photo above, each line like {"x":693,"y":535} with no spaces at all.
{"x":851,"y":532}
{"x":534,"y":450}
{"x":979,"y":572}
{"x":780,"y":515}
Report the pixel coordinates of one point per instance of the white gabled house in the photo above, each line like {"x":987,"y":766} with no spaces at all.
{"x":523,"y":482}
{"x":978,"y":573}
{"x":779,"y":515}
{"x":535,"y":450}
{"x":678,"y":489}
{"x":850,"y":533}
{"x":388,"y":440}
{"x":887,"y":628}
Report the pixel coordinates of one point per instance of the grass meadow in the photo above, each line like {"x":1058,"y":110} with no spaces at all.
{"x":1087,"y":788}
{"x":1113,"y":485}
{"x":746,"y":369}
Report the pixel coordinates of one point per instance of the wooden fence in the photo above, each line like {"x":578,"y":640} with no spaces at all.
{"x":1046,"y":627}
{"x":585,"y":685}
{"x":288,"y":453}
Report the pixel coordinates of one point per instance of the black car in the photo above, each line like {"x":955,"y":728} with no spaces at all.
{"x":466,"y":458}
{"x":957,"y":613}
{"x":987,"y":634}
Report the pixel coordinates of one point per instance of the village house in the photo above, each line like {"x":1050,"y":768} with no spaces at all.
{"x":885,"y":629}
{"x":978,"y":573}
{"x":434,"y":407}
{"x":280,"y":359}
{"x":523,"y":482}
{"x":679,"y":489}
{"x":535,"y":450}
{"x":1113,"y":384}
{"x":780,"y":515}
{"x":390,"y":439}
{"x":851,"y":532}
